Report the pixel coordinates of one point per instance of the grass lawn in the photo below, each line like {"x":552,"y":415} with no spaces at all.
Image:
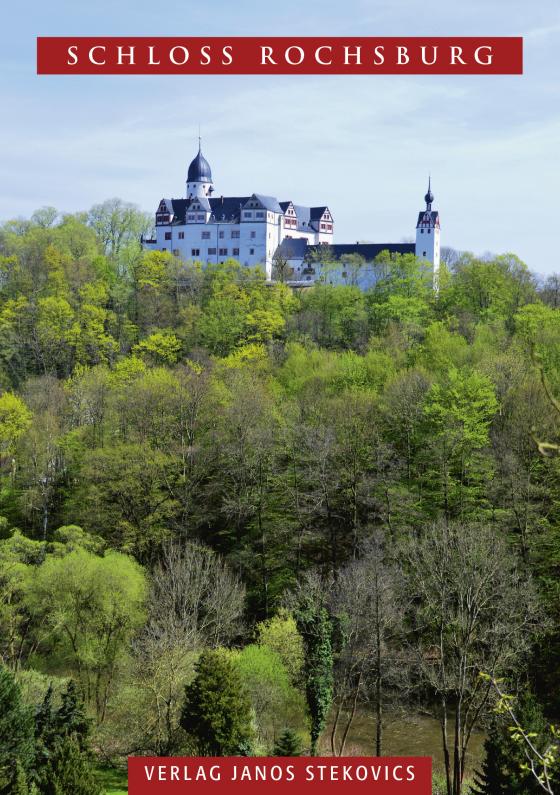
{"x":113,"y":780}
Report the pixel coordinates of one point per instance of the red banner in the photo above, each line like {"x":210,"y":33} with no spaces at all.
{"x":279,"y":55}
{"x":285,"y":776}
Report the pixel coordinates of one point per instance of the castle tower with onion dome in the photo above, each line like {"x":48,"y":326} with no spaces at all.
{"x":428,"y":244}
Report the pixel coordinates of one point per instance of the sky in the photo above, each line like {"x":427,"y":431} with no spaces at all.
{"x":363,"y":145}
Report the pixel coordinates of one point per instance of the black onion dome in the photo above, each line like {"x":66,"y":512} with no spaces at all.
{"x":429,"y":197}
{"x":199,"y":169}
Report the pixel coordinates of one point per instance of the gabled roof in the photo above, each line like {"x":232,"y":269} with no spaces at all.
{"x":202,"y":200}
{"x":227,"y":208}
{"x":434,"y":215}
{"x":298,"y":248}
{"x":179,"y":207}
{"x":303,"y":214}
{"x":268,"y":202}
{"x":222,"y":208}
{"x":293,"y":248}
{"x":167,"y":205}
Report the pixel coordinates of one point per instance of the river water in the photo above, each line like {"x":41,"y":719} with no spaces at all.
{"x":416,"y":735}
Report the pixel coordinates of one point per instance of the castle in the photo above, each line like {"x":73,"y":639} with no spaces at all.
{"x":260,"y":230}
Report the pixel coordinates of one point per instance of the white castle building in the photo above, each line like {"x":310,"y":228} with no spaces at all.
{"x":259,"y":229}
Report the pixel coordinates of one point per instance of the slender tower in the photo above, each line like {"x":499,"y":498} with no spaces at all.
{"x":428,"y":245}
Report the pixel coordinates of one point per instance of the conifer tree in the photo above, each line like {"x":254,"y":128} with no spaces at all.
{"x":503,"y":770}
{"x":70,"y":718}
{"x":16,"y":730}
{"x":44,"y":730}
{"x":217,"y":710}
{"x":19,"y":784}
{"x":288,"y":744}
{"x":69,"y":771}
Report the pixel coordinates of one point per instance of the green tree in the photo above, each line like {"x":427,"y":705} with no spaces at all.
{"x":217,"y":711}
{"x":280,"y":634}
{"x":69,"y":771}
{"x":93,"y":605}
{"x":274,"y":699}
{"x":288,"y":744}
{"x":487,"y":289}
{"x":504,"y":768}
{"x":15,"y":419}
{"x":16,"y":730}
{"x":315,"y":626}
{"x":118,"y":223}
{"x":20,"y":783}
{"x":131,"y":506}
{"x":161,"y":347}
{"x":472,"y":610}
{"x":458,"y":413}
{"x":334,"y":316}
{"x":70,"y":718}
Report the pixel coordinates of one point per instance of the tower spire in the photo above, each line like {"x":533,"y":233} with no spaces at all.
{"x":429,"y":197}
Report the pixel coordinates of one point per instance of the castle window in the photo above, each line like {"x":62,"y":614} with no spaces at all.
{"x":251,"y":251}
{"x":195,"y":252}
{"x":421,"y":231}
{"x":206,"y":235}
{"x":190,"y":217}
{"x":223,"y":252}
{"x":168,"y":235}
{"x":235,"y":252}
{"x":200,"y":218}
{"x":259,"y":215}
{"x":247,"y":215}
{"x":253,"y":235}
{"x":221,"y":235}
{"x":211,"y":251}
{"x":181,"y":235}
{"x":235,"y":233}
{"x":424,"y":254}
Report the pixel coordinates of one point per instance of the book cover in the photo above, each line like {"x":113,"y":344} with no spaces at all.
{"x":279,"y":398}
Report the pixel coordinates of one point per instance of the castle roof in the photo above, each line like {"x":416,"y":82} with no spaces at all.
{"x":228,"y":208}
{"x":433,"y":218}
{"x":223,"y":208}
{"x":299,"y":248}
{"x":269,"y":203}
{"x":199,"y":169}
{"x":369,"y":251}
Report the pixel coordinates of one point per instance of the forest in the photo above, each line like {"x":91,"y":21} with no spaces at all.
{"x":234,"y":517}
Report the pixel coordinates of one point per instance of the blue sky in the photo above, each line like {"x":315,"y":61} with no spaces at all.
{"x":362,"y":145}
